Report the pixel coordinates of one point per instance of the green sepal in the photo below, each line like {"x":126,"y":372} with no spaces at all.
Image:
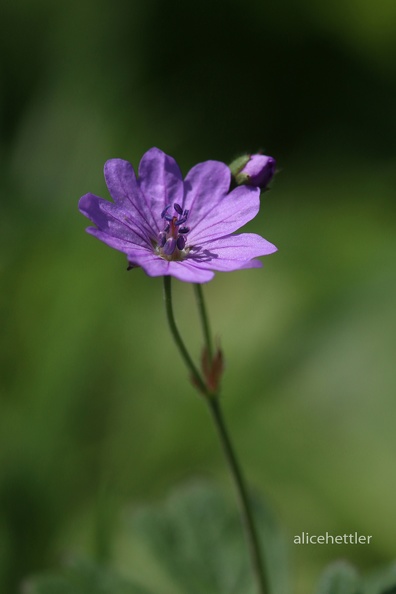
{"x":238,"y":164}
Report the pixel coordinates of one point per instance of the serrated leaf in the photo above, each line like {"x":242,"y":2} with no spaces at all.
{"x":196,"y":544}
{"x":81,"y":578}
{"x":339,"y":578}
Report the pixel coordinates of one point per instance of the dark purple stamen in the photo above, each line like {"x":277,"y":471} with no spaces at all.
{"x":170,"y":246}
{"x":181,"y":242}
{"x":163,"y":213}
{"x":173,"y":237}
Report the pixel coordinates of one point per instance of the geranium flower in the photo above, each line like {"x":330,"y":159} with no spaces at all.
{"x":170,"y":226}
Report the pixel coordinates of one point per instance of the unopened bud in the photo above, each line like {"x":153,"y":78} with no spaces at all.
{"x":253,"y":170}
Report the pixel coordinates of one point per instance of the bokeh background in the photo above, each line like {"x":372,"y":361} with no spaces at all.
{"x":96,"y":412}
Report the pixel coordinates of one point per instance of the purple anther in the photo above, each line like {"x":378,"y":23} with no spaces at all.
{"x":184,"y":230}
{"x":169,"y":246}
{"x":162,"y":238}
{"x":181,"y":242}
{"x":163,"y":213}
{"x":181,"y":221}
{"x":178,"y":208}
{"x":169,"y":217}
{"x":185,"y":213}
{"x":166,"y":230}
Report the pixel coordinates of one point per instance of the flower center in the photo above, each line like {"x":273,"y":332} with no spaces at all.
{"x":171,"y":243}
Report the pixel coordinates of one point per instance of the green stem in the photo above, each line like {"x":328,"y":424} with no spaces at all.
{"x":178,"y":339}
{"x":204,"y":319}
{"x":215,"y":409}
{"x":245,"y":504}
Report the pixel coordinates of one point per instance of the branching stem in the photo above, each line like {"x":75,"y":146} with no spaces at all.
{"x":213,"y":402}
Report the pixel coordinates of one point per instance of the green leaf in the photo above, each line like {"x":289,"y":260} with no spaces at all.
{"x":81,"y":578}
{"x":339,"y":578}
{"x":382,"y":581}
{"x":195,"y":543}
{"x":192,"y":543}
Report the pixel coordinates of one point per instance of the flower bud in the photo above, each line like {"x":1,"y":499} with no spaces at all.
{"x":253,"y":170}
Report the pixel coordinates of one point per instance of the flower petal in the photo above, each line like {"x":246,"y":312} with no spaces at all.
{"x":88,"y":205}
{"x":229,"y":214}
{"x":112,"y":220}
{"x":188,"y":272}
{"x":243,"y":247}
{"x":206,"y":185}
{"x":124,"y":189}
{"x":232,"y":252}
{"x":223,"y":265}
{"x":160,"y":181}
{"x":121,"y":181}
{"x":116,"y":242}
{"x":153,"y":265}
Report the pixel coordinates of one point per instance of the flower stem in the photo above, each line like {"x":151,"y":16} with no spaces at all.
{"x":204,"y":319}
{"x":215,"y":409}
{"x":178,"y":339}
{"x":245,"y":504}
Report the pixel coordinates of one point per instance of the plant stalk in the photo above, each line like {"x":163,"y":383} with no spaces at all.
{"x":204,"y":319}
{"x":244,"y":501}
{"x":196,"y":376}
{"x":219,"y":422}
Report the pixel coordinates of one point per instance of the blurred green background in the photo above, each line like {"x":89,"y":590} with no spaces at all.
{"x":96,"y":412}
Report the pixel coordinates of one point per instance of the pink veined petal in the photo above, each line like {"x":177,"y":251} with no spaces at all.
{"x":244,"y":246}
{"x":89,"y":206}
{"x":124,"y":218}
{"x":124,"y":189}
{"x":153,"y":265}
{"x":116,"y":242}
{"x":188,"y":272}
{"x":121,"y":181}
{"x":206,"y":185}
{"x":223,"y":265}
{"x":232,"y":212}
{"x":112,"y":220}
{"x":161,"y":182}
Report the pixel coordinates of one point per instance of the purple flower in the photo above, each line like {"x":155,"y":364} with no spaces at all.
{"x":170,"y":226}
